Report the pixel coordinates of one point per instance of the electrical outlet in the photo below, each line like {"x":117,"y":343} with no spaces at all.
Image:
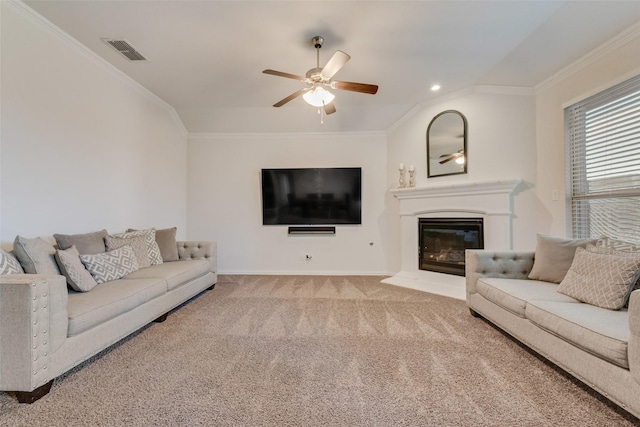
{"x":554,"y":195}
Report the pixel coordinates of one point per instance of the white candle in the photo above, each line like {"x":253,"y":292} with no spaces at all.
{"x":411,"y":167}
{"x":401,"y":165}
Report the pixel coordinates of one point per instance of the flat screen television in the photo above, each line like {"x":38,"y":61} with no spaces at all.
{"x":312,"y":196}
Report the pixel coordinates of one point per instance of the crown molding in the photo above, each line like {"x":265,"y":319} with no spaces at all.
{"x":80,"y":48}
{"x":607,"y":47}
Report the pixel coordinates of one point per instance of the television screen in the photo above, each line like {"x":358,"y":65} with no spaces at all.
{"x":312,"y":196}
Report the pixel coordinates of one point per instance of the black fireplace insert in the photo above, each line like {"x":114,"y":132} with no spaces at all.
{"x":443,"y":242}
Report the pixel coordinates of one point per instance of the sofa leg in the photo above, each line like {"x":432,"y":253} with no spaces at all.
{"x":32,"y":396}
{"x":474,"y":313}
{"x":161,"y":318}
{"x":210,"y":288}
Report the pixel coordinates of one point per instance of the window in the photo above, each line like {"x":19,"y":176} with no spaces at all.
{"x":603,"y":155}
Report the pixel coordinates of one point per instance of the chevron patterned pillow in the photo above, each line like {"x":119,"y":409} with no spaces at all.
{"x":9,"y":264}
{"x":111,"y":265}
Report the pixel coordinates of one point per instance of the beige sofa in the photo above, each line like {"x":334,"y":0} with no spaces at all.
{"x":600,"y":347}
{"x":47,"y":329}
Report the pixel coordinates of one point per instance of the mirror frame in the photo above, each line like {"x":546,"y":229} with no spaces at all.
{"x":464,"y":144}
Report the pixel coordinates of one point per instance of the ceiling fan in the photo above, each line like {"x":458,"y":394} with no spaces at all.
{"x":317,"y":79}
{"x":457,"y":156}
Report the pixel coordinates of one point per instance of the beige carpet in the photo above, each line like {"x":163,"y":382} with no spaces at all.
{"x":311,"y":351}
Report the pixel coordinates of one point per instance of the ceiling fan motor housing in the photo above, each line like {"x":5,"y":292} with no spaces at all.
{"x":317,"y":42}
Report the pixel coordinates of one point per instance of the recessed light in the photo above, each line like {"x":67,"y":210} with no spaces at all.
{"x":435,"y":87}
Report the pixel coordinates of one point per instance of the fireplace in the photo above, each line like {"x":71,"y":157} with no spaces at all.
{"x":443,"y":241}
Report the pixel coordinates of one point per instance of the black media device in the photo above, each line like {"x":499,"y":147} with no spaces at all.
{"x":312,"y":196}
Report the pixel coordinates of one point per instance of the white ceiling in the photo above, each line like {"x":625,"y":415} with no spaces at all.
{"x":206,"y":57}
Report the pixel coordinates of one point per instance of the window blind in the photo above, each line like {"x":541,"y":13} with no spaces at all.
{"x":603,"y":163}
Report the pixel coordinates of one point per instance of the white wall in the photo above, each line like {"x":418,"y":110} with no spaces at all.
{"x":224,"y":202}
{"x":500,"y":145}
{"x":82,"y":147}
{"x":613,"y":63}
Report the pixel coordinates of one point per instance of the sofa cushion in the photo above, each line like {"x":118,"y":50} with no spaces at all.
{"x":35,"y":255}
{"x":111,"y":265}
{"x":78,"y":278}
{"x":602,"y":277}
{"x":137,"y":243}
{"x":108,"y":300}
{"x":9,"y":264}
{"x":88,"y":243}
{"x":514,"y":294}
{"x":603,"y":333}
{"x":554,"y":256}
{"x":175,"y":273}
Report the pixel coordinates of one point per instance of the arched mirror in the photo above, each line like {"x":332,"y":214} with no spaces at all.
{"x":447,"y":144}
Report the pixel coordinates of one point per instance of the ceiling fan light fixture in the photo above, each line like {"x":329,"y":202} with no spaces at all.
{"x":318,"y":97}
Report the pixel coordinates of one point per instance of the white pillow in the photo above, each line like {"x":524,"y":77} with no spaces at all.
{"x":111,"y":265}
{"x":601,"y":276}
{"x":9,"y":264}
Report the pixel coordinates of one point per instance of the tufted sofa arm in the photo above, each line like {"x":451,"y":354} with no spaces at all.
{"x":484,"y":263}
{"x":199,"y":250}
{"x":33,"y":325}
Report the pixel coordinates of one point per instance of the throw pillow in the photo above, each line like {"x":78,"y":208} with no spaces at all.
{"x":78,"y":278}
{"x":9,"y":264}
{"x":137,"y":243}
{"x":166,"y":240}
{"x":88,"y":243}
{"x":155,"y":257}
{"x":111,"y":265}
{"x":553,"y":257}
{"x":35,"y":255}
{"x":601,"y":277}
{"x":622,"y":246}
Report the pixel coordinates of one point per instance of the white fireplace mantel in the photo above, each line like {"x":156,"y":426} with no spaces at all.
{"x":490,"y":200}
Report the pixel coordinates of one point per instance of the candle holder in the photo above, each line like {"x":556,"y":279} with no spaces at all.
{"x":412,"y":178}
{"x":401,"y":181}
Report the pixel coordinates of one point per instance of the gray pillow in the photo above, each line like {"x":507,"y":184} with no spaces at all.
{"x":9,"y":264}
{"x":554,"y":256}
{"x":88,"y":243}
{"x":166,"y":240}
{"x":72,"y":268}
{"x":35,"y":255}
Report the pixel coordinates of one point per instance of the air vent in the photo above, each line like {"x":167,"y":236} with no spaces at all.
{"x":126,"y":49}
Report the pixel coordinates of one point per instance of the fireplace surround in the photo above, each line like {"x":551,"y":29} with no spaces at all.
{"x":492,"y":201}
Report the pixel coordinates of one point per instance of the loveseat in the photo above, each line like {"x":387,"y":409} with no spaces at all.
{"x":599,"y":346}
{"x":47,"y":328}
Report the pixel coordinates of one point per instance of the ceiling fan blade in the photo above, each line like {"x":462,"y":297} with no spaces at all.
{"x":329,"y":109}
{"x":355,"y":87}
{"x":293,"y":96}
{"x":336,"y":62}
{"x":448,"y":159}
{"x":287,"y":75}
